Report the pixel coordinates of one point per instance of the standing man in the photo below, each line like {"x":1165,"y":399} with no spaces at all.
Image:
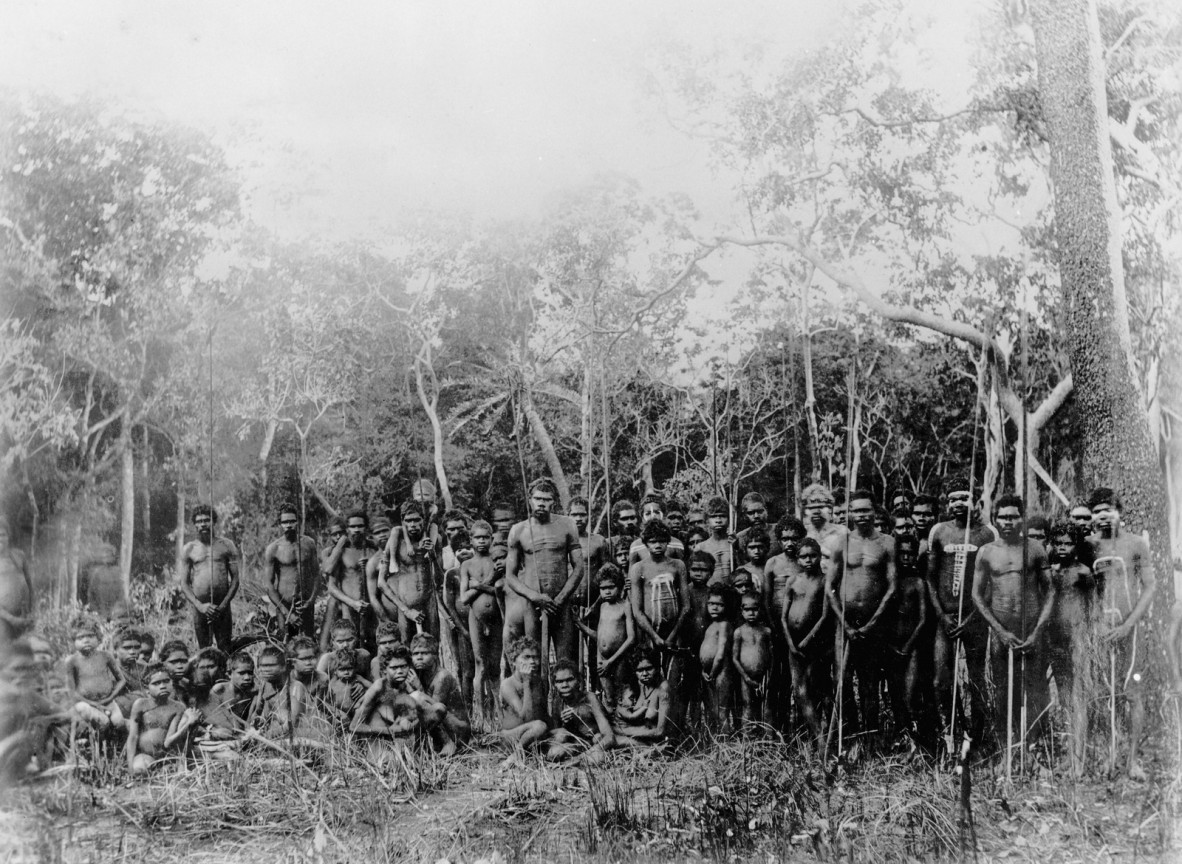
{"x":209,"y":580}
{"x":818,"y":510}
{"x":1013,"y":591}
{"x":16,"y":590}
{"x":1126,"y":581}
{"x":346,"y":581}
{"x":862,"y":580}
{"x":542,"y":571}
{"x":594,"y":548}
{"x":924,"y":512}
{"x":952,"y":555}
{"x":625,"y":521}
{"x":293,"y":576}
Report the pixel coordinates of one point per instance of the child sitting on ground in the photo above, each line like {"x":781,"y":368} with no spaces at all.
{"x":303,"y":654}
{"x":95,"y":679}
{"x":345,"y":689}
{"x":344,"y":635}
{"x":643,"y":719}
{"x":126,"y":645}
{"x":174,"y":656}
{"x":279,"y":702}
{"x":157,"y":723}
{"x":442,"y":687}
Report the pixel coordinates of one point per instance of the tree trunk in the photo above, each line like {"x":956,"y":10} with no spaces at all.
{"x":585,"y":430}
{"x":430,"y":405}
{"x":145,"y":487}
{"x":1116,"y":440}
{"x":178,"y":543}
{"x":127,"y":515}
{"x":541,"y":435}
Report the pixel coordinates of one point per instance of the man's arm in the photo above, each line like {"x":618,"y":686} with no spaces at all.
{"x":187,"y":581}
{"x":833,"y":584}
{"x":1050,"y":592}
{"x":120,"y":681}
{"x":932,"y":574}
{"x":449,"y":606}
{"x":720,"y":657}
{"x":1143,"y":570}
{"x":364,"y":709}
{"x":272,"y":566}
{"x":629,"y":641}
{"x":574,"y":551}
{"x":924,"y":614}
{"x":514,"y":562}
{"x":133,"y":733}
{"x":231,"y":571}
{"x":892,"y":579}
{"x":681,"y":581}
{"x":784,"y":616}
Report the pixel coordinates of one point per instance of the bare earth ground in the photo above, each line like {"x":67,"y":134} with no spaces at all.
{"x":736,"y":801}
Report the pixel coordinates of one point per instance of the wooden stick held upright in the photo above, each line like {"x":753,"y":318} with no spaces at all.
{"x":851,"y":381}
{"x":1025,"y":511}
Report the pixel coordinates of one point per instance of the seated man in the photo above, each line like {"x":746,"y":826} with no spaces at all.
{"x":581,"y":725}
{"x":523,"y":698}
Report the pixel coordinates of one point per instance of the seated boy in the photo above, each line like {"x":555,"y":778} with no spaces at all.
{"x":237,"y":694}
{"x":393,"y":709}
{"x":95,"y":679}
{"x":345,"y":689}
{"x":157,"y":723}
{"x":126,"y":645}
{"x":302,"y":655}
{"x":279,"y":702}
{"x":581,"y":725}
{"x":441,"y":686}
{"x":174,"y":656}
{"x":524,"y":714}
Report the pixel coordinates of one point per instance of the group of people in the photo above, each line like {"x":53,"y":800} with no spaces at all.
{"x":569,"y":643}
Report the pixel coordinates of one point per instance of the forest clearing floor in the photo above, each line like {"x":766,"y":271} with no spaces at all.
{"x":741,"y":800}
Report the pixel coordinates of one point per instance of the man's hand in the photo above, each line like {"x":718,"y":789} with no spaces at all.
{"x":427,"y":544}
{"x":1010,"y":640}
{"x":415,"y":615}
{"x":567,"y":714}
{"x":547,"y":605}
{"x":1116,"y":634}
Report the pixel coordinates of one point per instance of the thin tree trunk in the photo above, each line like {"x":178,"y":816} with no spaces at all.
{"x":145,"y":488}
{"x":430,"y":405}
{"x":179,"y":535}
{"x":127,"y":515}
{"x":537,"y":428}
{"x":585,"y":429}
{"x":1116,"y":440}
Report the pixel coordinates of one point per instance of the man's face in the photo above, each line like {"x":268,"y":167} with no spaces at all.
{"x":883,"y":523}
{"x":272,"y":669}
{"x":412,"y":523}
{"x":609,"y":591}
{"x":808,"y":559}
{"x":718,"y":522}
{"x":657,"y":548}
{"x":1008,"y":521}
{"x":146,"y":649}
{"x":481,"y":540}
{"x":652,"y":510}
{"x":527,"y":663}
{"x":1038,"y":534}
{"x":1081,"y":516}
{"x":1105,"y":517}
{"x":816,"y":511}
{"x":1063,"y":548}
{"x":160,"y":686}
{"x":290,"y":524}
{"x":839,"y":514}
{"x":750,"y":610}
{"x":335,"y":533}
{"x":676,"y":520}
{"x":756,"y":513}
{"x":700,"y":573}
{"x":451,"y":528}
{"x":790,"y":540}
{"x":862,"y":513}
{"x":343,"y":639}
{"x":380,"y":535}
{"x":503,"y":520}
{"x":242,"y":678}
{"x":422,"y":658}
{"x":85,"y":643}
{"x":904,"y":525}
{"x":304,"y":662}
{"x":578,"y":512}
{"x":925,"y":518}
{"x":542,"y":504}
{"x":356,"y":529}
{"x":396,"y":671}
{"x":757,"y":551}
{"x":626,"y":522}
{"x":204,"y":525}
{"x":696,"y":519}
{"x":565,"y":683}
{"x":176,"y":663}
{"x":958,"y":503}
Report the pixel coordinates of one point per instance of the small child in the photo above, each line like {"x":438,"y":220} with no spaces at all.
{"x":157,"y":722}
{"x":1071,"y":633}
{"x":657,"y":587}
{"x":147,"y":647}
{"x":302,"y":655}
{"x":752,"y":656}
{"x":237,"y":694}
{"x":479,"y":581}
{"x":452,"y":727}
{"x":344,"y":635}
{"x":174,"y":656}
{"x":715,"y":657}
{"x":95,"y":679}
{"x":345,"y":689}
{"x":615,"y":633}
{"x":620,"y":547}
{"x":693,"y":629}
{"x":388,"y":707}
{"x":279,"y":702}
{"x":127,"y":644}
{"x":808,"y":630}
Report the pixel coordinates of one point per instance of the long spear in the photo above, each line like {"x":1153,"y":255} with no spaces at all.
{"x":1026,"y":508}
{"x":851,"y":381}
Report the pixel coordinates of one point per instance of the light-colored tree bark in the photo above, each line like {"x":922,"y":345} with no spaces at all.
{"x":127,"y":510}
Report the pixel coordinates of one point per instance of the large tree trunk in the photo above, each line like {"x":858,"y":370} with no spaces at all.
{"x":1117,"y":444}
{"x":127,"y":514}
